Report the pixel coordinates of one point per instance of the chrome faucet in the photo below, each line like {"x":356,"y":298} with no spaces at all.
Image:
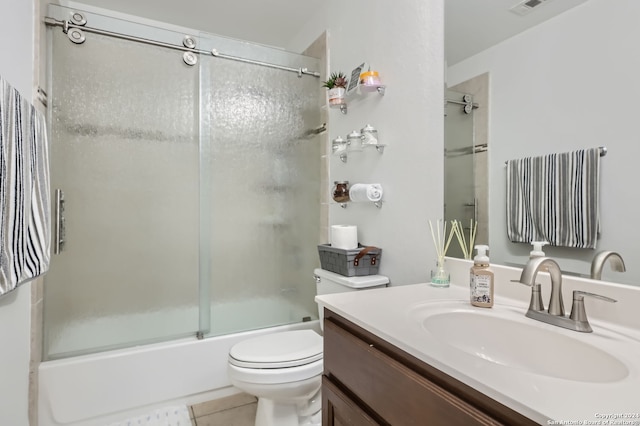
{"x":617,"y":264}
{"x":577,"y":321}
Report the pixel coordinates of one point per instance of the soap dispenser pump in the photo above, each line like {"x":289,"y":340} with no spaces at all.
{"x":481,"y":280}
{"x":537,"y":249}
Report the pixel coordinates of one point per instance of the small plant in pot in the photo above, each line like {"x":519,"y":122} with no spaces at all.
{"x":337,"y":85}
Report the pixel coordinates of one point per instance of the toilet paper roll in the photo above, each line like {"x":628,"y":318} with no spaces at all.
{"x":365,"y":192}
{"x":344,"y":237}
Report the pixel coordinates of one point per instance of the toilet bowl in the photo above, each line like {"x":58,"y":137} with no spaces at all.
{"x":284,"y":370}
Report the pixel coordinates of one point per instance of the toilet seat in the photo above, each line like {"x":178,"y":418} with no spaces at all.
{"x":287,"y":349}
{"x":274,"y":376}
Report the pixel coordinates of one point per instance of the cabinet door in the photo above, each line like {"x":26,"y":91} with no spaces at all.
{"x":398,"y":394}
{"x":339,"y":410}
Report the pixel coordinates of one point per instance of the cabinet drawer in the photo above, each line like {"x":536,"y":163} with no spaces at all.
{"x":339,"y":410}
{"x":398,"y":394}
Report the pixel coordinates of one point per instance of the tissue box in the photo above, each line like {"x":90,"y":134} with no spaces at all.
{"x":363,"y":260}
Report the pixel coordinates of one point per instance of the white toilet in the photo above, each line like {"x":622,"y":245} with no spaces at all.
{"x":284,"y":370}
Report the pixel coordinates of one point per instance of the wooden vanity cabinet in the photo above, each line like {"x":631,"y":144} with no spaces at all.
{"x":368,"y":381}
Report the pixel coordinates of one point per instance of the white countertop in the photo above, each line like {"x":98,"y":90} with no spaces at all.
{"x":385,"y":312}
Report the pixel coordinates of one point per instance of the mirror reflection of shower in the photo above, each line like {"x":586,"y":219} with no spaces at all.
{"x":465,"y":159}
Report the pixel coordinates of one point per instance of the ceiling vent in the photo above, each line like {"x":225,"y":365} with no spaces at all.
{"x":527,"y":6}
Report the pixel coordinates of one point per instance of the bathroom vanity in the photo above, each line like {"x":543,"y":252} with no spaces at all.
{"x":368,"y":381}
{"x":416,"y":354}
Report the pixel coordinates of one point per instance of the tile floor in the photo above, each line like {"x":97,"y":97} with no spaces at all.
{"x":234,"y":410}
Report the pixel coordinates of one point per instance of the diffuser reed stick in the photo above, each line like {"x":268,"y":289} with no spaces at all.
{"x":438,"y":237}
{"x":467,"y":250}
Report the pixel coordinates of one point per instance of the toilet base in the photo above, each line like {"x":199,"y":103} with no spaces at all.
{"x":286,"y":404}
{"x":271,"y":413}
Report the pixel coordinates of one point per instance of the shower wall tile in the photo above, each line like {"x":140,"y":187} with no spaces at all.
{"x":319,"y":49}
{"x":323,"y":237}
{"x":40,"y":46}
{"x":36,"y":349}
{"x":482,"y":195}
{"x":325,"y":187}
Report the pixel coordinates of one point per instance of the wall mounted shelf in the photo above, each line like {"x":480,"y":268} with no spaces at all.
{"x":358,"y":93}
{"x":344,"y":154}
{"x":378,"y":204}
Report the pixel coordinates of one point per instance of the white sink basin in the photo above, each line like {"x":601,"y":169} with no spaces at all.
{"x":504,"y":336}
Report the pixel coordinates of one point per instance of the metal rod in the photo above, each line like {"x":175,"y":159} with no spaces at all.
{"x":58,"y":237}
{"x":300,"y":71}
{"x":475,"y":149}
{"x":318,"y":130}
{"x":66,"y":25}
{"x":473,"y":104}
{"x":603,"y":152}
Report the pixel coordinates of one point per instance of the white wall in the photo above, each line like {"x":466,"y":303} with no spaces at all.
{"x":16,"y":44}
{"x":404,"y":42}
{"x":16,"y":67}
{"x":567,"y":84}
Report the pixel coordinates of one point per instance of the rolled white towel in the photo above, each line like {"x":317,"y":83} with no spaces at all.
{"x":365,"y":192}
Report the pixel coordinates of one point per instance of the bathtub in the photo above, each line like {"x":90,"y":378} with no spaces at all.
{"x":98,"y":389}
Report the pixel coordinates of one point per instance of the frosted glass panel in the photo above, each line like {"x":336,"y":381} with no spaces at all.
{"x":459,"y":192}
{"x":264,"y":181}
{"x":124,"y":149}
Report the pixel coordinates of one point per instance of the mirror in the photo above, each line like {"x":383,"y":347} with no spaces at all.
{"x":561,"y":76}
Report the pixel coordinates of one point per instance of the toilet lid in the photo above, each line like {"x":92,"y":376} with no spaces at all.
{"x":278,"y":350}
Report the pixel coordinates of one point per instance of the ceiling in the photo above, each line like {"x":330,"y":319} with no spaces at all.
{"x":270,"y":22}
{"x":471,"y":26}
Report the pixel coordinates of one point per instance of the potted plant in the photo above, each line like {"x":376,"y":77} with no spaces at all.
{"x":337,"y":85}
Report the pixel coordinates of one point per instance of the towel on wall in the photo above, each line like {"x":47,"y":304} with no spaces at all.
{"x":555,"y":198}
{"x":25,"y":236}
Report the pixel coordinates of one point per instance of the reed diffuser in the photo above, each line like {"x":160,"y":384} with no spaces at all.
{"x":440,"y":277}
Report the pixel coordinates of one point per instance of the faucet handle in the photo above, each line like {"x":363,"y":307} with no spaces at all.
{"x":578,"y":313}
{"x":578,"y":295}
{"x":535,"y":304}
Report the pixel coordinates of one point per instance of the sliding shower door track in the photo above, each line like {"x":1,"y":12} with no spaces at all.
{"x":76,"y":35}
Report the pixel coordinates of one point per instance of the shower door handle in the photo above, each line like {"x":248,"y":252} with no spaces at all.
{"x":59,"y":225}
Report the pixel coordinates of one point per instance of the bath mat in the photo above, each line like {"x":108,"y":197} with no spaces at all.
{"x":167,"y":416}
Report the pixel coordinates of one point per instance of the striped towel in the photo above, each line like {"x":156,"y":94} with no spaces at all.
{"x":555,"y":198}
{"x":24,"y":191}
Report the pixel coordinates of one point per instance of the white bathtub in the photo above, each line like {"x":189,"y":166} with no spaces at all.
{"x":95,"y":390}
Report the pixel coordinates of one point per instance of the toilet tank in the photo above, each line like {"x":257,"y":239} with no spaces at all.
{"x":328,"y":282}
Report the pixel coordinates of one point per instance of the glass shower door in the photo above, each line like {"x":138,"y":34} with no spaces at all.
{"x":124,"y":151}
{"x":263,"y":178}
{"x":459,"y":168}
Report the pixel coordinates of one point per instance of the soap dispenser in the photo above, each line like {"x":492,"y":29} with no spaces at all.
{"x":481,"y":279}
{"x":537,"y":249}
